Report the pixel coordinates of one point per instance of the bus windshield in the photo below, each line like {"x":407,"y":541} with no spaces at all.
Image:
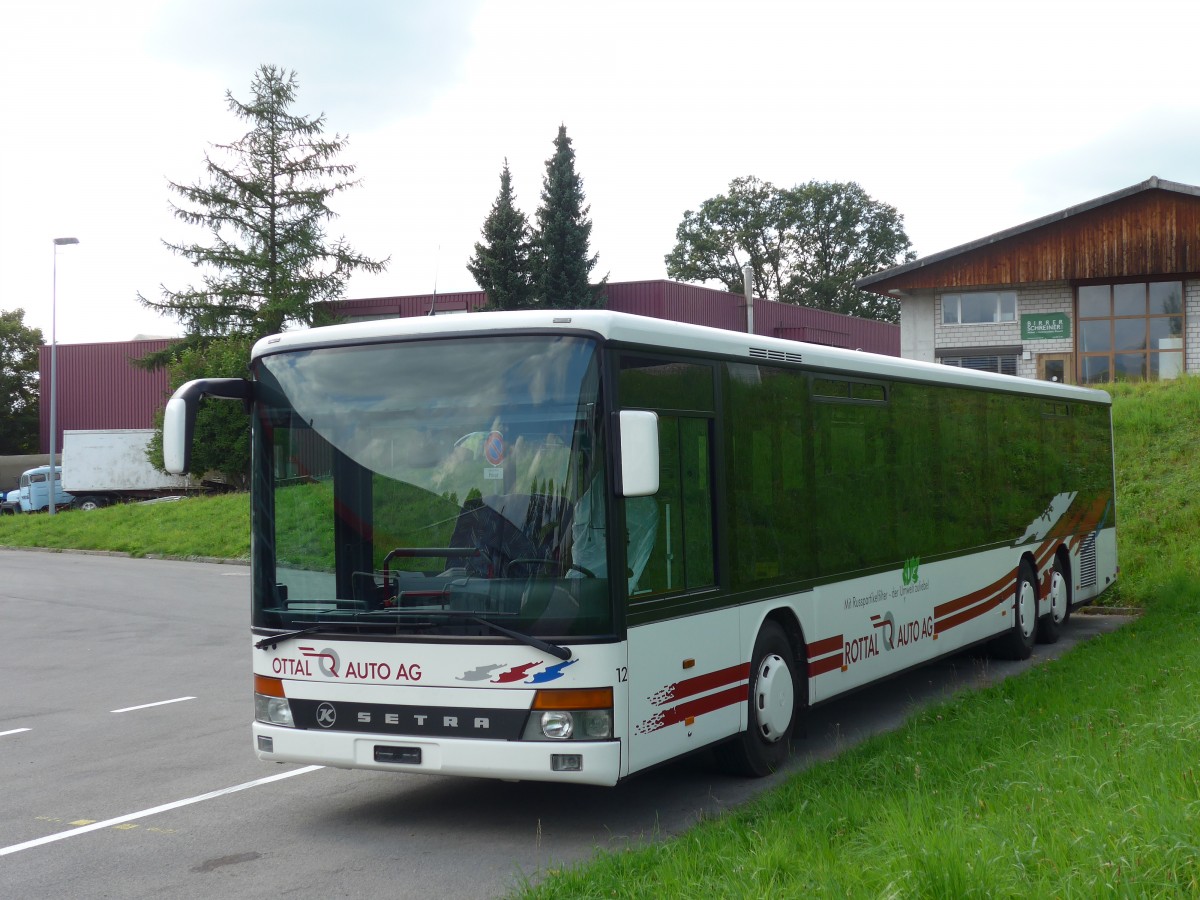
{"x":429,"y":488}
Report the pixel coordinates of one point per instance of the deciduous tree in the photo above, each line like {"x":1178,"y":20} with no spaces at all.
{"x":805,"y":245}
{"x":18,"y":383}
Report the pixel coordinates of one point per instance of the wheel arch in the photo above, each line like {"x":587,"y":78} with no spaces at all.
{"x":786,"y":618}
{"x":1028,"y":557}
{"x":1063,"y":556}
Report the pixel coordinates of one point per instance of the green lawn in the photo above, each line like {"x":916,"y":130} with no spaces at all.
{"x":1080,"y":778}
{"x":211,"y":526}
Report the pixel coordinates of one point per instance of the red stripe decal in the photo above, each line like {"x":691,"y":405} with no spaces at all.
{"x":825,"y":645}
{"x":689,"y":687}
{"x":697,"y":707}
{"x":984,"y":593}
{"x":821,"y":666}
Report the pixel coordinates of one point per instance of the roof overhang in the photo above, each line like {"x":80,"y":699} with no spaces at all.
{"x":889,"y":281}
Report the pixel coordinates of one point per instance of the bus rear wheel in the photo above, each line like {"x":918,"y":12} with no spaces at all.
{"x":1058,"y":599}
{"x":771,"y":708}
{"x":1017,"y":642}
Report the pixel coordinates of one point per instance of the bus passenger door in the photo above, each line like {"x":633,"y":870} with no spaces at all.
{"x":683,"y":656}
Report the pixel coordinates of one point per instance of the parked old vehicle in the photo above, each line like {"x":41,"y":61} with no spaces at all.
{"x":33,"y":494}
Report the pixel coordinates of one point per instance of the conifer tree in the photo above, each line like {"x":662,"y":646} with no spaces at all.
{"x":267,"y":264}
{"x":562,"y":261}
{"x":265,"y":205}
{"x":501,"y":265}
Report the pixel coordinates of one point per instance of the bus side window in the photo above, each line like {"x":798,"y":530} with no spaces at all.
{"x":670,"y":535}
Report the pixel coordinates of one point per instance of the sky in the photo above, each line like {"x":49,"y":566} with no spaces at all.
{"x":968,"y":118}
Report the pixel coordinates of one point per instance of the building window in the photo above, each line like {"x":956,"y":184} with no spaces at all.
{"x":1130,"y":332}
{"x":1005,"y":365}
{"x":979,"y":308}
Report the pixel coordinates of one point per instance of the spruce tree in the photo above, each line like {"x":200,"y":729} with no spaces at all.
{"x":562,"y":261}
{"x":501,"y":265}
{"x":267,"y":264}
{"x":264,"y":203}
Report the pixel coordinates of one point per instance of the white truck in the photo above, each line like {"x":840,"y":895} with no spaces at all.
{"x":101,"y":467}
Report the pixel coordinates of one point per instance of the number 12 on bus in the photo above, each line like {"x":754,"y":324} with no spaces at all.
{"x":569,"y":546}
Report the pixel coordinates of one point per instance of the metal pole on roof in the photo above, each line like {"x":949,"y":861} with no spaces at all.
{"x":52,"y":479}
{"x":748,"y":286}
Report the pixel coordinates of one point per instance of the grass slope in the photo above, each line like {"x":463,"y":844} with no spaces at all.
{"x":1078,"y":779}
{"x":216,"y":526}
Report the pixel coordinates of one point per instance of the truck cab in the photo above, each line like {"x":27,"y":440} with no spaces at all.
{"x":33,"y":494}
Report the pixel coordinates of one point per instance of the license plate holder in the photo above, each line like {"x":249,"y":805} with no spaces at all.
{"x":409,"y":756}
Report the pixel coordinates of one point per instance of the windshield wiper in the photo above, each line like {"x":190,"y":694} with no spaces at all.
{"x":311,"y":629}
{"x":555,"y":650}
{"x":563,"y":653}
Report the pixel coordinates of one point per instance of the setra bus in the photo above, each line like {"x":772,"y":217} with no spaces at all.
{"x":569,"y":546}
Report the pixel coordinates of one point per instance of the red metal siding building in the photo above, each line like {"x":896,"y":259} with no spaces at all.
{"x":98,"y":386}
{"x":680,"y":303}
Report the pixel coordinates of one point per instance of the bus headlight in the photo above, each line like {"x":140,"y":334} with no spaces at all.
{"x":558,"y":725}
{"x":273,"y":710}
{"x":571,"y":715}
{"x":597,"y":724}
{"x":270,"y":703}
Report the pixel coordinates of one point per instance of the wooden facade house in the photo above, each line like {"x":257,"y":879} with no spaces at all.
{"x":1108,"y":289}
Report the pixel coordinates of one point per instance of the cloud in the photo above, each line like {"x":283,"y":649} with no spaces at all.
{"x":362,"y":62}
{"x":1152,"y":142}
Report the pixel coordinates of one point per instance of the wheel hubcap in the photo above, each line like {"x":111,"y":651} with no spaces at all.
{"x":774,"y":697}
{"x":1058,"y":597}
{"x":1027,"y":607}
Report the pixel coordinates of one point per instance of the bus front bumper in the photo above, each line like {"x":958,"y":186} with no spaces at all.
{"x":570,"y":762}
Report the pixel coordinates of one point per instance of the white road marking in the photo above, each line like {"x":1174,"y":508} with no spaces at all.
{"x":14,"y":731}
{"x":148,"y":705}
{"x":166,"y":807}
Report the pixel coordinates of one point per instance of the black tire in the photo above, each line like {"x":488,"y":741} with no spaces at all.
{"x":1018,"y":641}
{"x":1058,"y":604}
{"x":771,"y":708}
{"x":89,"y":503}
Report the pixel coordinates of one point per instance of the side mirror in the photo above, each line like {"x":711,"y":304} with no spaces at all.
{"x":179,"y":419}
{"x":639,"y":452}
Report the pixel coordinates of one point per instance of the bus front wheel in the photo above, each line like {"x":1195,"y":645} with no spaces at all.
{"x":771,"y":708}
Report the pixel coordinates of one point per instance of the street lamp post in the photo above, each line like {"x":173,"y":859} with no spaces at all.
{"x":53,"y":480}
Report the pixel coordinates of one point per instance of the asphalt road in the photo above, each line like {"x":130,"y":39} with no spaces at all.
{"x":127,"y":771}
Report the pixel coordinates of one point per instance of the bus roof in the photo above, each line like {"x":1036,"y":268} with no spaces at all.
{"x":666,"y":335}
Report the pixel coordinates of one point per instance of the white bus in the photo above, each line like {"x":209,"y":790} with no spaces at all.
{"x":569,"y":546}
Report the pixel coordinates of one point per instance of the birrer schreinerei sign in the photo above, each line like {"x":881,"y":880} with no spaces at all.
{"x":1045,"y":327}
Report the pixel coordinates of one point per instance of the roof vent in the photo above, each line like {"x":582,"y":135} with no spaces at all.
{"x":777,"y":355}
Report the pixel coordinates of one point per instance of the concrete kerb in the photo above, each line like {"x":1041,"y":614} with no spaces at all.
{"x":215,"y":560}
